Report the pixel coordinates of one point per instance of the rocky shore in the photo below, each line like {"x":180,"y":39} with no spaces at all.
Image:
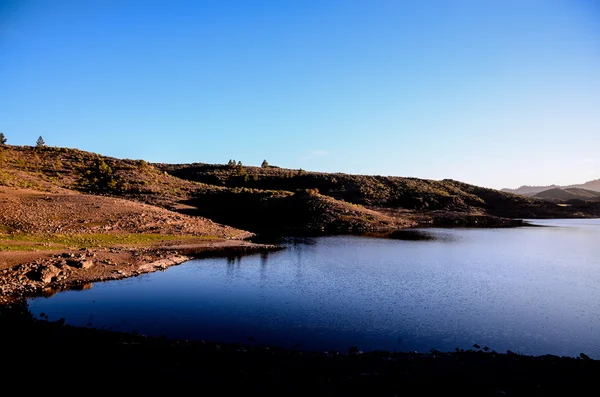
{"x":59,"y":271}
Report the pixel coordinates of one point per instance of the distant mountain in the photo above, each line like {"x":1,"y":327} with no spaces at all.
{"x":531,"y":191}
{"x":558,"y":194}
{"x":591,"y":185}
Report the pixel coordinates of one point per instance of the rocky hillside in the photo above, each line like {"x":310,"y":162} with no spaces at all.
{"x":272,"y":199}
{"x":57,"y":170}
{"x":381,"y":193}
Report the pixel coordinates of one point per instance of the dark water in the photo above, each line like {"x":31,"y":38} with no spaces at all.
{"x":533,"y":290}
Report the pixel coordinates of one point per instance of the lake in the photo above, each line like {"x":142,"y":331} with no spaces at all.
{"x":532,"y":290}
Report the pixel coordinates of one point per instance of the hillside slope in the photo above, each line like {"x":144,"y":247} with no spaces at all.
{"x":51,"y":169}
{"x":566,"y":194}
{"x":272,"y":199}
{"x":591,"y":185}
{"x":533,"y":190}
{"x":381,"y":193}
{"x":34,"y":212}
{"x":529,"y":190}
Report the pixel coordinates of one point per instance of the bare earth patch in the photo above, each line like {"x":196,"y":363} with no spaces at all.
{"x":51,"y":241}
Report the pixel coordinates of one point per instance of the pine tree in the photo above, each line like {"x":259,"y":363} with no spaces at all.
{"x":264,"y":164}
{"x":2,"y":139}
{"x":40,"y":142}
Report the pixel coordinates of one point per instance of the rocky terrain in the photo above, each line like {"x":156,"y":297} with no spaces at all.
{"x":407,"y":201}
{"x":50,"y":240}
{"x":51,"y":272}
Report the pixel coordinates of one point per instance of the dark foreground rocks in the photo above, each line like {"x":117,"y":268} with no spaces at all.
{"x":40,"y":356}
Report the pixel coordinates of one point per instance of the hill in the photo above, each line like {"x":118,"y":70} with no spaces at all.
{"x":273,"y":199}
{"x":533,"y":190}
{"x":566,"y":194}
{"x":530,"y":190}
{"x":420,"y":200}
{"x":53,"y":170}
{"x":591,"y":185}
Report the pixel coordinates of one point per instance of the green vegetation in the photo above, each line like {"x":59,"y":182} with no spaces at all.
{"x":40,"y":142}
{"x":31,"y":242}
{"x":2,"y":139}
{"x":98,"y":178}
{"x":264,"y":164}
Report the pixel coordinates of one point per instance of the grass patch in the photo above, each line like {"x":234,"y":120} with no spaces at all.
{"x":31,"y":242}
{"x":28,"y":247}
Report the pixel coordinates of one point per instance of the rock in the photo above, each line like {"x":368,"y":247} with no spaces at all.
{"x":44,"y":274}
{"x":86,"y":264}
{"x":81,"y":263}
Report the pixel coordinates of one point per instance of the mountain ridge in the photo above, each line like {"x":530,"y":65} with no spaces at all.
{"x":530,"y":190}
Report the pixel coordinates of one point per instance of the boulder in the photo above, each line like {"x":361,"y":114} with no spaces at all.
{"x":81,"y":263}
{"x":44,"y":274}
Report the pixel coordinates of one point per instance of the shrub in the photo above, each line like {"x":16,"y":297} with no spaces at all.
{"x":99,"y":177}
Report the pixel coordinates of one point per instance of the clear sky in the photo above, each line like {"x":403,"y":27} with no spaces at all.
{"x":497,"y":93}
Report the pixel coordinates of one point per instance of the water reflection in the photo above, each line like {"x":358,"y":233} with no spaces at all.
{"x":531,"y":290}
{"x":48,"y":292}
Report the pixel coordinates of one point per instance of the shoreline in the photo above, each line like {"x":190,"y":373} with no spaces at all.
{"x":43,"y":273}
{"x":52,"y":272}
{"x":139,"y":365}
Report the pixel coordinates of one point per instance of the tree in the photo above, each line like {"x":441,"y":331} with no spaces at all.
{"x":99,"y":177}
{"x":264,"y":164}
{"x":40,"y":142}
{"x":2,"y":139}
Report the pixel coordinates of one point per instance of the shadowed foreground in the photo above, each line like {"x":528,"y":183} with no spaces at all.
{"x":86,"y":361}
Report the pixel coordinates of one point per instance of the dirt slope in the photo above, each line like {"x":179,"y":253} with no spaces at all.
{"x":67,"y":212}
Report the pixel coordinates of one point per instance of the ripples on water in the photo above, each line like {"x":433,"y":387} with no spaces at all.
{"x":530,"y":290}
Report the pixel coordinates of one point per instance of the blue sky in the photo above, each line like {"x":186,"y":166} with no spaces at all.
{"x":497,"y":93}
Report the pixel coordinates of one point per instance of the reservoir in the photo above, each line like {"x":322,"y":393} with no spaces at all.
{"x":531,"y":290}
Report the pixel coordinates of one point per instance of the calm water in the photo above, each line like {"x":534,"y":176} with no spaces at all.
{"x":533,"y":290}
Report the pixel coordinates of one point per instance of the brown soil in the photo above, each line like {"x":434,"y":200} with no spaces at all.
{"x":68,"y":212}
{"x":57,"y":240}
